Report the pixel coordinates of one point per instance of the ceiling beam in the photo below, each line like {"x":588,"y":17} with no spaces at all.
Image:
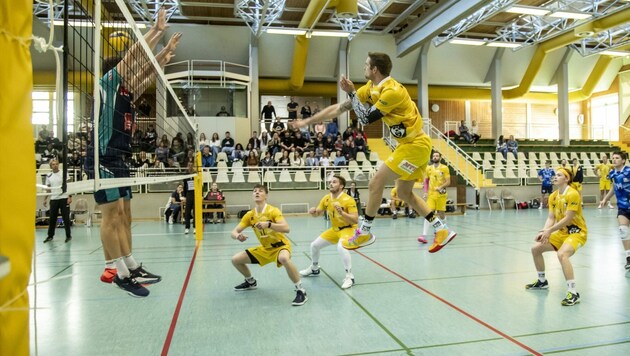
{"x":437,"y":19}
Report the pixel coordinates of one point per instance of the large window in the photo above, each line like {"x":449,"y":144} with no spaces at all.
{"x":605,"y":117}
{"x":45,"y":112}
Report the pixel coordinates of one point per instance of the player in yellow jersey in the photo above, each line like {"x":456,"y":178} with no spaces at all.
{"x":438,"y":177}
{"x":602,"y":170}
{"x":342,"y":211}
{"x":396,"y":204}
{"x":564,"y":232}
{"x":383,"y":98}
{"x":270,"y":229}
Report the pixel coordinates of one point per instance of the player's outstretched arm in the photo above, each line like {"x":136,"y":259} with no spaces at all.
{"x":324,"y":115}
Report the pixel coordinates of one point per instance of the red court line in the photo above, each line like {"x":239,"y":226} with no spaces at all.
{"x":492,"y":328}
{"x":171,"y":329}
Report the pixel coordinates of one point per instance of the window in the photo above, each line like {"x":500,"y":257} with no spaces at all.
{"x":45,"y":113}
{"x":605,"y":117}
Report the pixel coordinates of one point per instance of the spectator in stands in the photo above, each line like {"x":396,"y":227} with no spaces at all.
{"x":158,"y":165}
{"x":267,"y":161}
{"x":464,"y":132}
{"x":348,"y":133}
{"x":144,"y":108}
{"x":174,"y":165}
{"x":76,"y":160}
{"x":311,"y":160}
{"x":207,"y":158}
{"x":215,"y":144}
{"x":348,"y":150}
{"x":563,"y":164}
{"x":190,"y":141}
{"x":319,"y":151}
{"x":223,"y":112}
{"x":175,"y":205}
{"x":286,"y":142}
{"x":252,"y":160}
{"x":264,"y":140}
{"x":332,"y":129}
{"x":165,"y":140}
{"x":255,"y":141}
{"x":227,"y":144}
{"x":320,"y":128}
{"x":502,"y":146}
{"x":150,"y":139}
{"x":142,"y":161}
{"x":267,"y":115}
{"x":306,"y":110}
{"x":325,"y":160}
{"x":42,"y":142}
{"x":238,"y":153}
{"x":474,"y":131}
{"x":273,"y":145}
{"x":545,"y":175}
{"x":297,"y":160}
{"x":512,"y":146}
{"x":578,"y":176}
{"x":284,"y":161}
{"x":338,"y":146}
{"x":178,"y":151}
{"x":203,"y":141}
{"x":602,"y":170}
{"x":278,"y":126}
{"x":319,"y":138}
{"x":215,"y":194}
{"x":292,"y":109}
{"x":300,"y":143}
{"x":162,"y":152}
{"x":359,"y":143}
{"x":50,"y":153}
{"x":329,"y":144}
{"x":354,"y":193}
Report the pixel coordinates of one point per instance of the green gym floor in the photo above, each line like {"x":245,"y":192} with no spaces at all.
{"x":467,"y":299}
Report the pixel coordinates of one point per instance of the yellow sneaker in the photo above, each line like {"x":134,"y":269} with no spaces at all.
{"x":358,"y":241}
{"x":442,"y":237}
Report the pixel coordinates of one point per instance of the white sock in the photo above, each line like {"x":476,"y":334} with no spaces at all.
{"x":571,"y":285}
{"x":250,"y":280}
{"x":121,"y":268}
{"x":627,"y":253}
{"x":110,"y":264}
{"x":438,"y":224}
{"x":425,"y":230}
{"x":345,"y":256}
{"x":298,"y":286}
{"x":365,"y":227}
{"x":541,"y":276}
{"x":131,"y":262}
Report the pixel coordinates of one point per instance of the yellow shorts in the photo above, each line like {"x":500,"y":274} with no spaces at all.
{"x":409,"y":160}
{"x":577,"y":186}
{"x":604,"y":184}
{"x":399,"y":203}
{"x":267,"y":255}
{"x":333,"y":235}
{"x":576,"y":240}
{"x":437,"y":202}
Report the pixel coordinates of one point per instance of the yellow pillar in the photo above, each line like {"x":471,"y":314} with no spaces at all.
{"x":17,"y":173}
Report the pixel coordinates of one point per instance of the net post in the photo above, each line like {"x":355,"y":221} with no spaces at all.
{"x":198,"y":198}
{"x":97,"y":91}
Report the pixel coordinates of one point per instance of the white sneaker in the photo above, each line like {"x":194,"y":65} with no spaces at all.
{"x":309,"y":272}
{"x":347,"y":282}
{"x":186,"y":231}
{"x":170,"y":222}
{"x":610,"y":206}
{"x":540,"y":207}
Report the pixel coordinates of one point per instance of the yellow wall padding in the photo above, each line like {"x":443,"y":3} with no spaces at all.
{"x":17,"y":173}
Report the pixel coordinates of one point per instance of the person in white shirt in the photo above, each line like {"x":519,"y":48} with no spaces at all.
{"x":58,"y":201}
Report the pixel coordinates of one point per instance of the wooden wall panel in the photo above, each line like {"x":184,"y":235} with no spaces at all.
{"x":448,"y":111}
{"x":482,"y":112}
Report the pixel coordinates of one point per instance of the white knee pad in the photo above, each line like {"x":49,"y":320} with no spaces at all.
{"x":623,"y":232}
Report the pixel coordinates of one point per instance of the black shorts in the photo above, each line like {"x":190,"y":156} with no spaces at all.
{"x":546,"y":189}
{"x":624,"y":212}
{"x":109,"y":167}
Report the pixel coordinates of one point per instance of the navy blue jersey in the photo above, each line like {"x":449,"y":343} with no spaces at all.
{"x":621,"y":183}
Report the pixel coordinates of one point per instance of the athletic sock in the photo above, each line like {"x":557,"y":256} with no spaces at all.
{"x":435,"y":221}
{"x":121,"y":268}
{"x":571,"y":285}
{"x":541,"y":276}
{"x":366,"y":224}
{"x":298,"y":286}
{"x":131,"y":262}
{"x":109,"y":264}
{"x":250,"y":280}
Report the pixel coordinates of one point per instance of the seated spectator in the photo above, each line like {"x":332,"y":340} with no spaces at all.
{"x":252,"y":159}
{"x":223,"y":112}
{"x":463,"y":132}
{"x":311,"y":160}
{"x":339,"y":146}
{"x":227,"y":144}
{"x":255,"y":141}
{"x":207,"y":158}
{"x":247,"y":149}
{"x":284,"y":161}
{"x":49,"y":153}
{"x":144,"y":109}
{"x":286,"y":142}
{"x":320,"y":128}
{"x":76,"y":160}
{"x":348,"y":133}
{"x":349,"y":151}
{"x":165,"y":140}
{"x":159,"y":165}
{"x":278,"y":126}
{"x":297,"y":161}
{"x":162,"y":152}
{"x":238,"y":153}
{"x":502,"y":146}
{"x":42,"y":141}
{"x":267,"y":161}
{"x":203,"y":141}
{"x":319,"y":151}
{"x":300,"y":143}
{"x":273,"y":145}
{"x":512,"y":146}
{"x":190,"y":141}
{"x":359,"y":143}
{"x":325,"y":160}
{"x":178,"y":151}
{"x":264,"y":141}
{"x":332,"y":129}
{"x":329,"y":144}
{"x":174,"y":165}
{"x":175,"y":205}
{"x":141,"y":161}
{"x":149,"y":142}
{"x":215,"y":144}
{"x":215,"y":194}
{"x":474,"y":131}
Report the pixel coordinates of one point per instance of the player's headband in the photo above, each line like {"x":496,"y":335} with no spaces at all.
{"x":566,"y":174}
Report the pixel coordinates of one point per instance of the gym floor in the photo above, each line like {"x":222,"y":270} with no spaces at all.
{"x":467,"y":299}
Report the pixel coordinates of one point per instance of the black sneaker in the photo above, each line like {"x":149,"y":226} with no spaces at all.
{"x":69,"y":238}
{"x":300,"y":298}
{"x":131,"y":286}
{"x":412,"y":215}
{"x":48,"y":239}
{"x":537,"y":285}
{"x":143,"y":276}
{"x":571,"y":299}
{"x":627,"y":263}
{"x":246,"y":286}
{"x":395,"y":216}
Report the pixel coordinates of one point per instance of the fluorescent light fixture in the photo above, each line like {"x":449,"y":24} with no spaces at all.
{"x":75,"y":23}
{"x":467,"y":42}
{"x":570,"y":15}
{"x":528,"y":10}
{"x":615,"y":53}
{"x":504,"y":44}
{"x":286,"y":31}
{"x":330,"y":33}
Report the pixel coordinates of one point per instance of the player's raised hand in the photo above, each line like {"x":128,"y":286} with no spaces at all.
{"x":297,"y":123}
{"x":174,"y":41}
{"x":160,"y":22}
{"x":346,"y":84}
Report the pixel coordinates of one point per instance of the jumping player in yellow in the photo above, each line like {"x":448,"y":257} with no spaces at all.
{"x":564,"y":231}
{"x":438,"y":177}
{"x":342,"y":211}
{"x":270,"y":229}
{"x":388,"y":100}
{"x":602,"y":170}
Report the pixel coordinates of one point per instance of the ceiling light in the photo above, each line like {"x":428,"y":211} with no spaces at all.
{"x":76,"y":23}
{"x":467,"y":42}
{"x":528,"y":10}
{"x":330,"y":33}
{"x":615,"y":53}
{"x":286,"y":31}
{"x":570,"y":15}
{"x":504,"y":44}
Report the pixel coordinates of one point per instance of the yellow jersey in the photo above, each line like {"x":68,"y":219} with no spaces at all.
{"x":603,"y":169}
{"x":400,"y":113}
{"x":437,"y":176}
{"x":348,"y":204}
{"x":268,"y":238}
{"x":560,"y":203}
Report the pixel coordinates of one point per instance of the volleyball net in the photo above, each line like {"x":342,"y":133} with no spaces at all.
{"x":119,"y":111}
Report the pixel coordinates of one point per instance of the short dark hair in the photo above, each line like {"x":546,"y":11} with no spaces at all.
{"x":381,"y":61}
{"x":341,"y":179}
{"x":623,"y":155}
{"x":261,"y":187}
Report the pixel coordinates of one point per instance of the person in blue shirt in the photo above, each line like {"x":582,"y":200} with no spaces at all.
{"x":207,"y":158}
{"x":546,"y":175}
{"x":620,"y":179}
{"x":332,"y":129}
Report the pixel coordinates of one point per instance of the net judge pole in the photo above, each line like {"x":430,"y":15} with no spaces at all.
{"x":198,"y":199}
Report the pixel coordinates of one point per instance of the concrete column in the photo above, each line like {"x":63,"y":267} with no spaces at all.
{"x":494,"y":76}
{"x":254,"y":92}
{"x":342,"y":69}
{"x":422,"y":75}
{"x":562,"y":78}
